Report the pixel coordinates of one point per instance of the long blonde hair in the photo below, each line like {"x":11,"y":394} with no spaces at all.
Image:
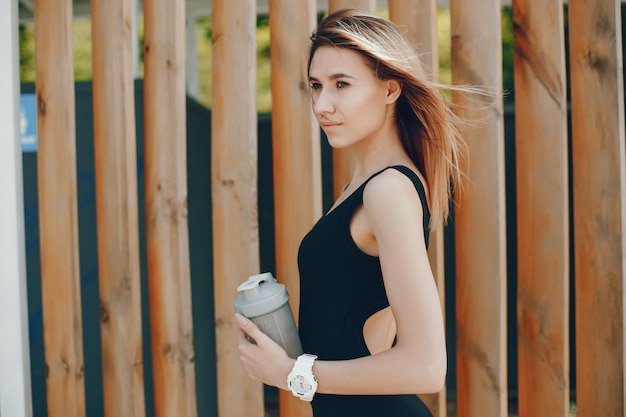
{"x":428,"y":128}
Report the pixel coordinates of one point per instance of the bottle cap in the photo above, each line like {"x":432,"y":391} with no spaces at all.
{"x":260,"y":295}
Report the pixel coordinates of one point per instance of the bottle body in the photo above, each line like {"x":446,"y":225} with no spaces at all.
{"x":280,"y":326}
{"x":266,"y":303}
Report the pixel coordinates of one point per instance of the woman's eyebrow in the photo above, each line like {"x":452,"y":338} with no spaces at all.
{"x":334,"y":77}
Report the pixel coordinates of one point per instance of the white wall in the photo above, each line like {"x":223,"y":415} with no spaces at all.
{"x":15,"y":388}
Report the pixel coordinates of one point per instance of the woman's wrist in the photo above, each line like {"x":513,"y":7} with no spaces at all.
{"x":285,"y":370}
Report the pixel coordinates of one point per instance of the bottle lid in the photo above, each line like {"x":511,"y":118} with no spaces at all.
{"x":260,"y":295}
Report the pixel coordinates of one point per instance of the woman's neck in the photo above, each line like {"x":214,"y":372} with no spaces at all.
{"x":371,"y":157}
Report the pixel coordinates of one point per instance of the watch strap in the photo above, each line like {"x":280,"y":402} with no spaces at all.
{"x":304,"y":367}
{"x":305,"y":362}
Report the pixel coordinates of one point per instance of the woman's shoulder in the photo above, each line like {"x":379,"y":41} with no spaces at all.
{"x":395,"y":184}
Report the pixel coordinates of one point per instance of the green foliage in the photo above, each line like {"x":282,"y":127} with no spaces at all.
{"x":27,"y":53}
{"x":81,"y":51}
{"x":204,"y":32}
{"x":264,"y":85}
{"x":443,"y":44}
{"x":507,"y":53}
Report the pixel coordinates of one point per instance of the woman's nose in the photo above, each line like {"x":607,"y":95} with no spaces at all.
{"x":323,"y":104}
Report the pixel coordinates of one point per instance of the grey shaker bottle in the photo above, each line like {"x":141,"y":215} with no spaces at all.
{"x":266,"y":303}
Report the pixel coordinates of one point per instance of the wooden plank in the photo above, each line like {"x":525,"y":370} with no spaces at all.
{"x":418,"y":20}
{"x":599,"y":191}
{"x":297,"y":163}
{"x":234,"y":193}
{"x":58,"y":213}
{"x":116,"y":209}
{"x":167,"y":243}
{"x":342,"y":159}
{"x":542,"y":209}
{"x":480,"y":215}
{"x":15,"y":379}
{"x":365,"y":5}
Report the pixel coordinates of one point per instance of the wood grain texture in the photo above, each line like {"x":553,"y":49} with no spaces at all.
{"x":167,"y":243}
{"x":599,"y":175}
{"x":296,"y":152}
{"x":417,"y":19}
{"x":58,"y":211}
{"x":366,"y":5}
{"x":116,"y":209}
{"x":542,"y":209}
{"x":480,"y":238}
{"x":234,"y":193}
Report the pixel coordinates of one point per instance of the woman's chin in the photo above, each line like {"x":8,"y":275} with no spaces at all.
{"x":337,"y":143}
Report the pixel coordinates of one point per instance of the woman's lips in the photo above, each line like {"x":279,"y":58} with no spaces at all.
{"x":329,"y":125}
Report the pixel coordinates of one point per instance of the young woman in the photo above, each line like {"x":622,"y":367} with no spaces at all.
{"x":370,"y":319}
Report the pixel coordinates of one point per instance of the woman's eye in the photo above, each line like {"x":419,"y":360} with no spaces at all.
{"x":315,"y":86}
{"x":342,"y":84}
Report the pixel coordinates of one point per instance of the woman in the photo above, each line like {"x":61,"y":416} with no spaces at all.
{"x":370,"y":319}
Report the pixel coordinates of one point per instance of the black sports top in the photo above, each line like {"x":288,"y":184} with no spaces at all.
{"x":340,"y":288}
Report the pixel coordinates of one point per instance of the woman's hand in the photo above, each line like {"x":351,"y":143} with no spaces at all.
{"x":266,"y":360}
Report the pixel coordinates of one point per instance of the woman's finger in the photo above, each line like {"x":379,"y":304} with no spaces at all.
{"x":242,"y":337}
{"x":251,"y":329}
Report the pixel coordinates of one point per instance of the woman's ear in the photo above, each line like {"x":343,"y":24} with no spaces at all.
{"x":394,"y":89}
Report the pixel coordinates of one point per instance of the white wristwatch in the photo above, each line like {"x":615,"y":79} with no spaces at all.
{"x":301,"y":380}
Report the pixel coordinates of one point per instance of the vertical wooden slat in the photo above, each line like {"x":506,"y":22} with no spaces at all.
{"x":169,"y":286}
{"x":15,"y":380}
{"x":418,"y":21}
{"x":542,"y":208}
{"x":599,"y":191}
{"x":58,"y":218}
{"x":480,"y":215}
{"x":297,"y":162}
{"x":116,"y":208}
{"x":234,"y":193}
{"x":342,"y":160}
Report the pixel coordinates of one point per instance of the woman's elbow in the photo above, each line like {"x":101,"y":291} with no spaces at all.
{"x":435,"y":377}
{"x":431,"y":377}
{"x":438,"y":377}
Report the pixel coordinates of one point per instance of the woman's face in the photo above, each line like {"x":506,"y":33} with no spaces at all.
{"x":350,"y":103}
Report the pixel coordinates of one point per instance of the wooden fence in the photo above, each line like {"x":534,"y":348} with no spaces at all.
{"x":570,"y":194}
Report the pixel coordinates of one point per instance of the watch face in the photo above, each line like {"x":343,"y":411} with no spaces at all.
{"x":300,"y":385}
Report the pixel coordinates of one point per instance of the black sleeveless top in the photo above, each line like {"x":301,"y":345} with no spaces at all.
{"x":340,"y":288}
